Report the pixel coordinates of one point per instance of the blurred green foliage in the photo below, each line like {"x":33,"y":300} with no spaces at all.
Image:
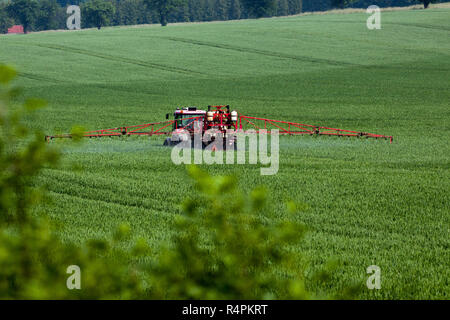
{"x":222,"y":248}
{"x":33,"y":260}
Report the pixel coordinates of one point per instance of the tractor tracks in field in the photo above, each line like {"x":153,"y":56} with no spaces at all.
{"x":108,"y":57}
{"x":262,"y":52}
{"x":419,"y":25}
{"x":90,"y":193}
{"x":403,"y":24}
{"x":322,"y":61}
{"x":106,"y":202}
{"x":33,"y":76}
{"x":51,"y":81}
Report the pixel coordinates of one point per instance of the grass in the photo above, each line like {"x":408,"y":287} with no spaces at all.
{"x":370,"y":202}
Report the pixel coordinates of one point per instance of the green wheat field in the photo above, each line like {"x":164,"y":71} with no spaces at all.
{"x":370,"y":202}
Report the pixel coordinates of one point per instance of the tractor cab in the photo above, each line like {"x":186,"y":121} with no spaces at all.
{"x":185,"y":118}
{"x":216,"y":122}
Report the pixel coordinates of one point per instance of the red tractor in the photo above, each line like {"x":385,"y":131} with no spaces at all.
{"x":219,"y":121}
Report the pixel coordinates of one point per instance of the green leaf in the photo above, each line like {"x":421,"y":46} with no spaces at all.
{"x":77,"y":133}
{"x":6,"y":74}
{"x":123,"y":231}
{"x":34,"y":104}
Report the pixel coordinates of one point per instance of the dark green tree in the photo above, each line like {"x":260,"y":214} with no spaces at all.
{"x":235,"y":10}
{"x":209,"y":11}
{"x":163,"y":7}
{"x":180,"y":13}
{"x":5,"y":21}
{"x":127,"y":12}
{"x":426,"y":3}
{"x":97,"y":13}
{"x":381,"y":3}
{"x":283,"y":8}
{"x":194,"y":10}
{"x":341,"y":3}
{"x":220,"y":8}
{"x":50,"y":16}
{"x":24,"y":12}
{"x":316,"y":5}
{"x":295,"y":6}
{"x":260,"y":8}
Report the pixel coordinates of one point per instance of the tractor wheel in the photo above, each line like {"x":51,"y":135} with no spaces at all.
{"x":167,"y":142}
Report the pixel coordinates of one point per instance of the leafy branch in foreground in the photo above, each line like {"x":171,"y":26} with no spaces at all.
{"x":225,"y":250}
{"x":33,"y":260}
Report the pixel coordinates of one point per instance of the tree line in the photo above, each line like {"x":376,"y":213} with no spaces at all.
{"x":380,"y":3}
{"x":38,"y":15}
{"x":323,"y":5}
